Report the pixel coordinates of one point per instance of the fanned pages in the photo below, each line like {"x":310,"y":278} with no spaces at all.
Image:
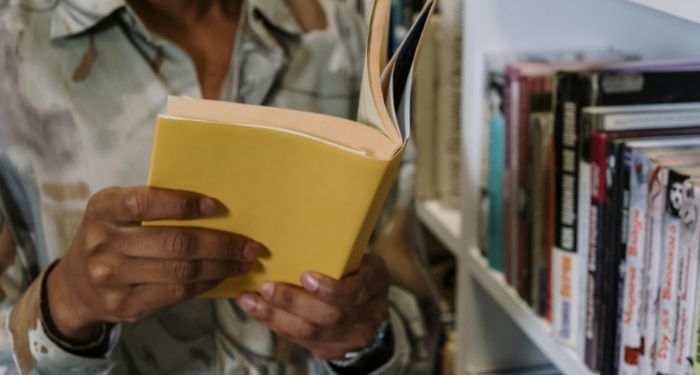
{"x":308,"y":187}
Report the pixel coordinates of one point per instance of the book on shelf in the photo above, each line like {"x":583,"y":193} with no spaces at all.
{"x":637,"y":264}
{"x":540,"y":193}
{"x":449,"y":105}
{"x":519,"y":76}
{"x":617,"y":273}
{"x":424,"y":116}
{"x":309,"y":187}
{"x":619,"y":84}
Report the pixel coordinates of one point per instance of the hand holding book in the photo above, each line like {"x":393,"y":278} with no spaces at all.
{"x":117,"y":270}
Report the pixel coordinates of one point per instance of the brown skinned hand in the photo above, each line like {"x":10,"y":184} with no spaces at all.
{"x":117,"y":270}
{"x":328,"y":317}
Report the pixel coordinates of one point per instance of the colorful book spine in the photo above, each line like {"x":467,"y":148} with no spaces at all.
{"x":539,"y":139}
{"x":495,"y":239}
{"x":632,"y":306}
{"x":511,"y":93}
{"x":598,"y":147}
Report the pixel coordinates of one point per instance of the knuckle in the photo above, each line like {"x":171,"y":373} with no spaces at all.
{"x":100,"y":273}
{"x":184,"y":271}
{"x":264,"y":312}
{"x":136,"y":203}
{"x":95,"y":239}
{"x":180,"y":292}
{"x":113,"y":303}
{"x":230,"y":248}
{"x":94,"y":203}
{"x":179,"y":243}
{"x":285,"y":298}
{"x":332,"y":316}
{"x":308,"y":332}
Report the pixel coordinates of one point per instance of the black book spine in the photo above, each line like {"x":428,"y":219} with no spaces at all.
{"x":566,"y":162}
{"x":613,"y":251}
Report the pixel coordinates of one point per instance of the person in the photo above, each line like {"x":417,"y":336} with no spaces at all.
{"x":85,"y":288}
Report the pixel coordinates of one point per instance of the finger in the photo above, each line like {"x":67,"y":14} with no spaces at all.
{"x":151,"y":271}
{"x":187,"y":244}
{"x":281,"y":322}
{"x":355,"y":290}
{"x":133,"y":205}
{"x":297,"y":301}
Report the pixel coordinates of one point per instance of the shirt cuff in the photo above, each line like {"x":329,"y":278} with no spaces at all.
{"x":34,"y":349}
{"x":402,"y":350}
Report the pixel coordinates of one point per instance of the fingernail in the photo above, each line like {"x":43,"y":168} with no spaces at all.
{"x":309,"y":282}
{"x":251,"y":250}
{"x":247,"y":303}
{"x":267,"y":290}
{"x":208,"y":206}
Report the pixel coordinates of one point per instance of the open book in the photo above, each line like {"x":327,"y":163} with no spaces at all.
{"x":308,"y":187}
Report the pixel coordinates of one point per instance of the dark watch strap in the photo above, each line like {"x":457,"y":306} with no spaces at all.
{"x":368,"y":359}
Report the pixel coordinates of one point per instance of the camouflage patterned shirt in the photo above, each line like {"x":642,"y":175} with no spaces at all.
{"x":82,"y":83}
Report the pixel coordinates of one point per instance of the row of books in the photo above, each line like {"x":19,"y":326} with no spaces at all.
{"x":592,"y":190}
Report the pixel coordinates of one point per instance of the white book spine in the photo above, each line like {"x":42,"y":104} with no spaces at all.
{"x":583,"y":228}
{"x":652,"y":120}
{"x":687,"y":279}
{"x":655,"y":208}
{"x":632,"y":309}
{"x":668,"y":287}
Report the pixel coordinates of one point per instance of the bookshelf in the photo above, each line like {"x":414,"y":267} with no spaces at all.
{"x":445,"y":223}
{"x":496,"y":330}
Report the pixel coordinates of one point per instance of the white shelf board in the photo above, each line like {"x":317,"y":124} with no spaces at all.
{"x":537,"y":329}
{"x":686,"y":9}
{"x":444,"y":223}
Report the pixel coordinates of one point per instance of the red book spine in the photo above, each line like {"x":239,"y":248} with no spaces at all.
{"x":599,"y":153}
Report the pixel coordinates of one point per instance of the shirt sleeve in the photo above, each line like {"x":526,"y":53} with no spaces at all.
{"x":32,"y":347}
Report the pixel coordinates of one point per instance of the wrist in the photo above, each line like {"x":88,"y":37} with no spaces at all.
{"x":67,"y":315}
{"x":368,"y":359}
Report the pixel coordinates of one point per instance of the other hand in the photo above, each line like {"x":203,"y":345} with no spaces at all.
{"x":328,"y":317}
{"x":117,"y":270}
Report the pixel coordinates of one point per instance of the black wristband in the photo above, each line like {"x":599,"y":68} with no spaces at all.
{"x":94,"y":349}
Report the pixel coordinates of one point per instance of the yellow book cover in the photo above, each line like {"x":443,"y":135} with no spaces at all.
{"x":308,"y":187}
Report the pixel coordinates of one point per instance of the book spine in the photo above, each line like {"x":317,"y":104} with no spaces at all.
{"x":540,"y":135}
{"x":550,"y":234}
{"x":689,"y":243}
{"x":668,"y":294}
{"x":536,"y":206}
{"x":510,"y":93}
{"x":424,"y":116}
{"x":618,"y":250}
{"x":656,"y":204}
{"x":495,"y":245}
{"x":630,"y":323}
{"x":694,"y":358}
{"x":529,"y":86}
{"x":583,"y":203}
{"x":564,"y":257}
{"x":598,"y":148}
